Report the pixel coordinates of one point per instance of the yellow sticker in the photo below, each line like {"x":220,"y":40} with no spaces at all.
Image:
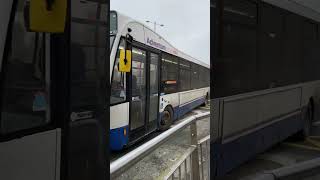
{"x":42,"y":20}
{"x":125,"y":63}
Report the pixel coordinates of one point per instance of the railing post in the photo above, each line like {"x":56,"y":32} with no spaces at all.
{"x":195,"y":156}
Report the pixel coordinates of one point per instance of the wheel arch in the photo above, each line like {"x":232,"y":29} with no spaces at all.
{"x":171,"y":107}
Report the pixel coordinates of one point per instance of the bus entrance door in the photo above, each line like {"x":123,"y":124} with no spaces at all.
{"x":144,"y":93}
{"x":138,"y":94}
{"x":153,"y":106}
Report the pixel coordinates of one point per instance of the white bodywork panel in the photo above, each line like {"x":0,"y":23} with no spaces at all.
{"x":181,"y":98}
{"x":169,"y":99}
{"x":35,"y":157}
{"x":188,"y":96}
{"x":137,"y":30}
{"x":119,"y":115}
{"x":243,"y":112}
{"x":5,"y":10}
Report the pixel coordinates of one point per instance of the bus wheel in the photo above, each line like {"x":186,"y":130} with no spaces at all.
{"x":166,"y":119}
{"x":206,"y":101}
{"x":308,"y":121}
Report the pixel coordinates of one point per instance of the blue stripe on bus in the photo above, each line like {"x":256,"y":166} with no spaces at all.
{"x":226,"y":157}
{"x":189,"y":106}
{"x":117,"y":138}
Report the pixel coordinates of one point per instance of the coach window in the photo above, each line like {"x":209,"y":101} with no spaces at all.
{"x":310,"y":51}
{"x":201,"y":77}
{"x":194,"y":76}
{"x":24,"y":93}
{"x":185,"y":75}
{"x":169,"y":73}
{"x":238,"y":49}
{"x":118,"y":85}
{"x":207,"y":77}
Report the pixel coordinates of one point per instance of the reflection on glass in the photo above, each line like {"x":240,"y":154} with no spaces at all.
{"x":118,"y":86}
{"x":25,"y":100}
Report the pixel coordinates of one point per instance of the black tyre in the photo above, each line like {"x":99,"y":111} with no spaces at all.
{"x":206,"y":102}
{"x":308,"y":121}
{"x":307,"y":118}
{"x":166,"y":119}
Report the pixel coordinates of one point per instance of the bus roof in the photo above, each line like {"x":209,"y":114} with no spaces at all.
{"x":145,"y":35}
{"x":309,"y":9}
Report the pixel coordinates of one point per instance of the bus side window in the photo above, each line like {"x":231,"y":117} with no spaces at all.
{"x":118,"y":85}
{"x":194,"y":76}
{"x":169,"y":74}
{"x":185,"y":75}
{"x":24,"y":93}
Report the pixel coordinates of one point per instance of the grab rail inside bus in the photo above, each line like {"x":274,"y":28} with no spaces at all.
{"x":126,"y":161}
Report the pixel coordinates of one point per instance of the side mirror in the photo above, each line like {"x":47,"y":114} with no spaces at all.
{"x":46,"y":15}
{"x":125,"y":60}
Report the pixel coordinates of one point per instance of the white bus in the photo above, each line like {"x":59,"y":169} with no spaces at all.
{"x":266,"y":77}
{"x":162,"y":86}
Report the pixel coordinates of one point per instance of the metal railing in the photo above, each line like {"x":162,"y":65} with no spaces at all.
{"x":125,"y":162}
{"x":183,"y":167}
{"x":182,"y":170}
{"x":204,"y":150}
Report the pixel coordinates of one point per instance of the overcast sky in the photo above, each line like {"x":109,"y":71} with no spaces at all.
{"x":186,"y":22}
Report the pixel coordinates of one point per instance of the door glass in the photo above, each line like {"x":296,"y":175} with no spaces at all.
{"x":24,"y":93}
{"x":154,"y":87}
{"x":88,"y":53}
{"x":138,"y":80}
{"x":118,"y":84}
